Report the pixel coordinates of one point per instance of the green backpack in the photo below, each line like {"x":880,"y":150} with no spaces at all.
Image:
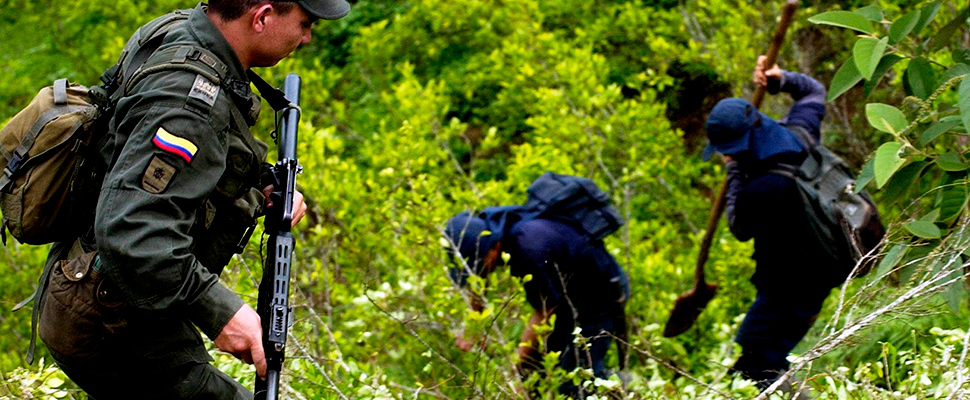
{"x":845,"y":219}
{"x":45,"y":150}
{"x":50,"y":150}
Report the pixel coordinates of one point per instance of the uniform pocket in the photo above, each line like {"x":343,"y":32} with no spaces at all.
{"x":81,"y":309}
{"x":229,"y":229}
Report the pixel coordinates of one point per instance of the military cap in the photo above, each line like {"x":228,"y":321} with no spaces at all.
{"x":325,"y":9}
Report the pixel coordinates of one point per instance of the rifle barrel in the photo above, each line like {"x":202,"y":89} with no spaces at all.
{"x":291,"y":118}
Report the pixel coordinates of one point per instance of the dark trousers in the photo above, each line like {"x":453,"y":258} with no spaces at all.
{"x":772,"y":327}
{"x":104,"y":380}
{"x":598,"y":337}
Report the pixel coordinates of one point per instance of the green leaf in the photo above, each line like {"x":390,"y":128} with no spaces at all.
{"x":886,"y":118}
{"x":920,"y":77}
{"x":903,"y":179}
{"x":867,"y":52}
{"x":956,"y":70}
{"x":885,"y":64}
{"x":952,"y":200}
{"x":936,"y":130}
{"x":872,"y":13}
{"x":903,"y":26}
{"x":865,"y":176}
{"x":843,"y":19}
{"x":931,"y":216}
{"x":955,"y":292}
{"x":923,"y":229}
{"x":892,"y":258}
{"x":913,"y":259}
{"x":926,"y":15}
{"x":887,"y":162}
{"x":964,"y":101}
{"x":959,"y":128}
{"x":961,"y":56}
{"x":845,"y":78}
{"x":946,"y":32}
{"x":951,"y":162}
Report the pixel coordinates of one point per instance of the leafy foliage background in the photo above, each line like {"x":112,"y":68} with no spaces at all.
{"x":418,"y":110}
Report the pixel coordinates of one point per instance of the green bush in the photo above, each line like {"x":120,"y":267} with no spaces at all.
{"x":416,"y":111}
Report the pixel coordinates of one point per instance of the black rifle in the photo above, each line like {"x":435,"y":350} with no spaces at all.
{"x":274,"y":289}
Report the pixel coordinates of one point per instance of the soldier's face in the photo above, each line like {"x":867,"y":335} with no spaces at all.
{"x":284,"y":33}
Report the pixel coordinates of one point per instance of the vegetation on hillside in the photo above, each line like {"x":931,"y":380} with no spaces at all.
{"x":417,"y":110}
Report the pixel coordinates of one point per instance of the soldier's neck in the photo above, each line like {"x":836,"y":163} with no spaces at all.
{"x":235,"y":32}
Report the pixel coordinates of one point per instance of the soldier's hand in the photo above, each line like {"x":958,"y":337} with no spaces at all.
{"x":761,"y":76}
{"x":463,"y":344}
{"x":243,"y":338}
{"x":299,"y":204}
{"x":299,"y":207}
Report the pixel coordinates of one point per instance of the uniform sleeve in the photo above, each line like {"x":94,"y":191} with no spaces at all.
{"x":766,"y":205}
{"x":809,"y":107}
{"x":171,"y":161}
{"x":738,"y":225}
{"x":531,"y":255}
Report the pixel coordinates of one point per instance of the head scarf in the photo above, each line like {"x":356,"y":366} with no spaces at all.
{"x":735,"y":126}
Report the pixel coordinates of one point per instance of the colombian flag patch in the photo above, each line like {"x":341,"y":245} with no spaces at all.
{"x":174,"y":144}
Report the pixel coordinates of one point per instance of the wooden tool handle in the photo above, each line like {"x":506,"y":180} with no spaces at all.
{"x":786,"y":13}
{"x":709,"y":235}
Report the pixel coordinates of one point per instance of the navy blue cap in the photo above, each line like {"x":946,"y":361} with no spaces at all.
{"x":729,"y":127}
{"x":468,"y":233}
{"x":474,"y":235}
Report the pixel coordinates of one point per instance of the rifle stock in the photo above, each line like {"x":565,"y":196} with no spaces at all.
{"x":274,"y":288}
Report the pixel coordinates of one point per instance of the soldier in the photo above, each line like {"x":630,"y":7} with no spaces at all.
{"x":794,"y":272}
{"x":573,"y":277}
{"x":183,"y":186}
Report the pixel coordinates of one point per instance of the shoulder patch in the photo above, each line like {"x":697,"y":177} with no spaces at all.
{"x":203,"y":89}
{"x":176,"y":145}
{"x":157,"y":175}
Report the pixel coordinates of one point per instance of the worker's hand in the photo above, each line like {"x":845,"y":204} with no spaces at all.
{"x":727,"y":158}
{"x":761,"y":76}
{"x":527,"y":353}
{"x":465,"y":344}
{"x":243,"y":338}
{"x":299,"y":205}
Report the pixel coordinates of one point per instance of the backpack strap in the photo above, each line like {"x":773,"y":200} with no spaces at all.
{"x":203,"y":62}
{"x":149,"y":41}
{"x":60,"y":92}
{"x":273,"y":96}
{"x":187,"y":58}
{"x":786,"y":170}
{"x":805,"y":138}
{"x":810,"y":167}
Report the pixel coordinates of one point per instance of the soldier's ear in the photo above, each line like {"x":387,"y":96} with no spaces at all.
{"x":260,"y":17}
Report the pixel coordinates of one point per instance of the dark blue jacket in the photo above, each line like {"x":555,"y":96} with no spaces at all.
{"x":768,"y":208}
{"x":564,"y":264}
